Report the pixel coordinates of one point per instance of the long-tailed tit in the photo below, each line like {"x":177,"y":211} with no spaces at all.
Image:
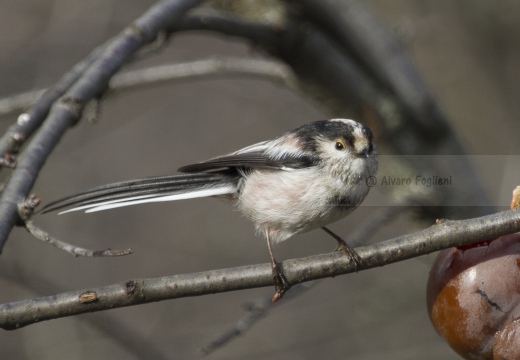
{"x":302,"y":180}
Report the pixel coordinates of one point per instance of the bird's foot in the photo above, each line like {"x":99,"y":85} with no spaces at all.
{"x":350,"y":252}
{"x":346,"y":249}
{"x":280,"y":281}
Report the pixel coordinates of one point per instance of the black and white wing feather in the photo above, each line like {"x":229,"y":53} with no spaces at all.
{"x":273,"y":154}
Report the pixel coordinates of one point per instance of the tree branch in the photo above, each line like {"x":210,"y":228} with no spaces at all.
{"x":68,"y":110}
{"x":111,"y":327}
{"x":26,"y":209}
{"x":255,"y":311}
{"x":32,"y":119}
{"x":203,"y":68}
{"x":355,"y":26}
{"x":258,"y":309}
{"x":442,"y":235}
{"x":19,"y":102}
{"x":71,"y":249}
{"x":154,"y":75}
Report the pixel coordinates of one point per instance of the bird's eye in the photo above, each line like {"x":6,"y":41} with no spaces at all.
{"x":340,"y":145}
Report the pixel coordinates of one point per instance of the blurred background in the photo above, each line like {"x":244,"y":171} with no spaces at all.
{"x":467,"y":51}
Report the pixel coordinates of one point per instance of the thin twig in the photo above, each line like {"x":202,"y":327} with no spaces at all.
{"x":442,"y":235}
{"x":19,"y":102}
{"x":380,"y":217}
{"x":203,"y":68}
{"x":25,"y":210}
{"x":71,"y":249}
{"x":256,"y":310}
{"x":155,"y":75}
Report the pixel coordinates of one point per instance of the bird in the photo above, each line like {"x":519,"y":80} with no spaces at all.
{"x":302,"y":180}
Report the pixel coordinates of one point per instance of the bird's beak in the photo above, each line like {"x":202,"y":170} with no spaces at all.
{"x":365,"y":153}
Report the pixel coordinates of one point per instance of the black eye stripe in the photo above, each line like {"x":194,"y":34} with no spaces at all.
{"x":348,"y":133}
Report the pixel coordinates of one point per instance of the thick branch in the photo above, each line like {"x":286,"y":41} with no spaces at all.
{"x":355,"y":26}
{"x":110,"y":327}
{"x":67,"y":112}
{"x":29,"y":121}
{"x":440,"y":236}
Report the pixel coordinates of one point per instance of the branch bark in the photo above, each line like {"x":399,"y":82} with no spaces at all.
{"x":442,"y":235}
{"x":111,"y":327}
{"x":269,"y":69}
{"x":356,"y":27}
{"x":32,"y":119}
{"x":67,"y":111}
{"x":137,"y":79}
{"x":71,"y":249}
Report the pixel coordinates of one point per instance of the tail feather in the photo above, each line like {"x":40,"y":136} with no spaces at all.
{"x":155,"y":189}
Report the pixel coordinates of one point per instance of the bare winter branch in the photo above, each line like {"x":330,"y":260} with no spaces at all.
{"x":130,"y":80}
{"x":356,"y":27}
{"x":377,"y":220}
{"x":26,"y":209}
{"x":442,"y":235}
{"x":71,"y":249}
{"x":202,"y":68}
{"x":109,"y":325}
{"x":255,"y":311}
{"x":30,"y":120}
{"x":18,"y":102}
{"x":68,"y":110}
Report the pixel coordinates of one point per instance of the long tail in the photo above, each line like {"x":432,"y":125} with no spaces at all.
{"x":155,"y":189}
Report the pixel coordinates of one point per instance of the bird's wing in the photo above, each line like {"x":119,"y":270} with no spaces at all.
{"x":256,"y":156}
{"x":154,"y":189}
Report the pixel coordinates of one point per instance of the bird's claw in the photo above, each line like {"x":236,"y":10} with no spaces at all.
{"x":351,"y":253}
{"x":281,"y":283}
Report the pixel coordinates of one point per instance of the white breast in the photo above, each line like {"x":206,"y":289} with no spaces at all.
{"x":290,"y":202}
